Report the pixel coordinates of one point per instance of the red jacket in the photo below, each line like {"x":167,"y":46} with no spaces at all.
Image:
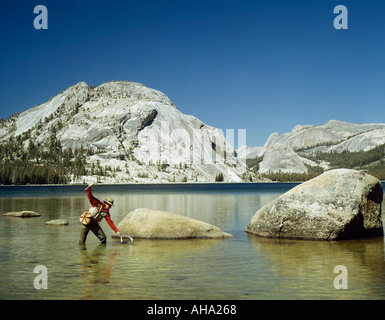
{"x":95,"y":203}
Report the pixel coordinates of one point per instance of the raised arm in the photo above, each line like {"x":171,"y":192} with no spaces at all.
{"x":94,"y":201}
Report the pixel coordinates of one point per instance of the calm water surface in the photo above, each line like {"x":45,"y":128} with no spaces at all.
{"x":244,"y":267}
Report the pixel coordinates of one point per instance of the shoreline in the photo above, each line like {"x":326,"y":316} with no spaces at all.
{"x":150,"y":184}
{"x":158,"y":184}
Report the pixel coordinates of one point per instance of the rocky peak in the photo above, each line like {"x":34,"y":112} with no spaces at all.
{"x":128,"y":90}
{"x":129,"y":127}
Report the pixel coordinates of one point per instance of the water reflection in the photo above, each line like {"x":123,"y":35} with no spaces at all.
{"x":309,"y":265}
{"x":147,"y":268}
{"x":96,"y":268}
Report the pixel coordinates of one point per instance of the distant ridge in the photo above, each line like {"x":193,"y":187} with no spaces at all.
{"x":309,"y":150}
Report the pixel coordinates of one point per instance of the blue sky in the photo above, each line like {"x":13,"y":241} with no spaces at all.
{"x":263,"y":66}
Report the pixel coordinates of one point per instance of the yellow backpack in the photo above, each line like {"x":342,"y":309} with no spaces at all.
{"x":88,"y":215}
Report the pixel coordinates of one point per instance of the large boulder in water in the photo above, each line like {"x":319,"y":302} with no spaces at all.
{"x":154,"y":224}
{"x":338,"y":204}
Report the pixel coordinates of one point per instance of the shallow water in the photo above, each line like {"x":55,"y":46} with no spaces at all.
{"x":244,"y":267}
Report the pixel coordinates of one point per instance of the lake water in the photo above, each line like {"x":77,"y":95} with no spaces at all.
{"x":244,"y":267}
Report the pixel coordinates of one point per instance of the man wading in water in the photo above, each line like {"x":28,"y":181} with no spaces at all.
{"x":102,"y":211}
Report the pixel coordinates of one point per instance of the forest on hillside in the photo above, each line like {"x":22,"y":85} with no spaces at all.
{"x":44,"y":163}
{"x":371,"y":161}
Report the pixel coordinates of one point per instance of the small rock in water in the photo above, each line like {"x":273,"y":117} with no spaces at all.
{"x":57,"y":222}
{"x":22,"y":214}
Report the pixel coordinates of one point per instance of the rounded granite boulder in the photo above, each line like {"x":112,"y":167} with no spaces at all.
{"x":338,"y":204}
{"x":154,"y":224}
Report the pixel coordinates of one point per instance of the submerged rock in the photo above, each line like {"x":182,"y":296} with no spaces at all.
{"x":338,"y":204}
{"x":57,"y":222}
{"x":23,"y":214}
{"x":154,"y":224}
